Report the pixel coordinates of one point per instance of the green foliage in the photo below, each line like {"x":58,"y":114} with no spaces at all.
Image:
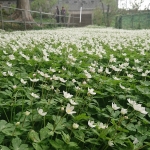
{"x":138,"y":20}
{"x":97,"y":17}
{"x":67,"y":90}
{"x":43,"y":5}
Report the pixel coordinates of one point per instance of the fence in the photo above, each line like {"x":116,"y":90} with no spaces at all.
{"x":133,"y":21}
{"x":40,"y":19}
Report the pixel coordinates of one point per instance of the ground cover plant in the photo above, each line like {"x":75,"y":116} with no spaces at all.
{"x":75,"y":88}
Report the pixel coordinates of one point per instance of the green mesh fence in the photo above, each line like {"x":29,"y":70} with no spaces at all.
{"x":133,"y":21}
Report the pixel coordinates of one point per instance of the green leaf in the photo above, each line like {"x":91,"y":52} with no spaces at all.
{"x":34,"y":136}
{"x":145,"y":83}
{"x":93,"y":141}
{"x":7,"y":128}
{"x":119,"y":128}
{"x":141,"y":129}
{"x":65,"y":137}
{"x":109,"y":108}
{"x":1,"y":137}
{"x":55,"y":144}
{"x":73,"y":144}
{"x":44,"y":133}
{"x":131,"y":127}
{"x":60,"y":124}
{"x":4,"y":148}
{"x":147,"y":143}
{"x":122,"y":97}
{"x":115,"y":114}
{"x":81,"y":117}
{"x":50,"y":126}
{"x":79,"y":135}
{"x":2,"y":124}
{"x":16,"y":143}
{"x":37,"y":146}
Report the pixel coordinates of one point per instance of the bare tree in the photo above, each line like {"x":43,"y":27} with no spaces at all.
{"x":136,"y":4}
{"x":24,"y":14}
{"x":109,"y":9}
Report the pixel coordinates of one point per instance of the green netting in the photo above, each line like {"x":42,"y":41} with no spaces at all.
{"x":133,"y":21}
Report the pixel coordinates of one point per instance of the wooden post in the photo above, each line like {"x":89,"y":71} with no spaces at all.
{"x":25,"y":20}
{"x":2,"y":17}
{"x":41,"y":18}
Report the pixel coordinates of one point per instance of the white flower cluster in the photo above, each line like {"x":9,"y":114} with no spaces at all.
{"x":137,"y":107}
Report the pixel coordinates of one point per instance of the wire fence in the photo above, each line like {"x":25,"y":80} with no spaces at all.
{"x":40,"y":19}
{"x":140,"y":20}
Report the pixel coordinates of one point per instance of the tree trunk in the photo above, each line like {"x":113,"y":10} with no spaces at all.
{"x":104,"y":20}
{"x":22,"y":15}
{"x":108,"y":21}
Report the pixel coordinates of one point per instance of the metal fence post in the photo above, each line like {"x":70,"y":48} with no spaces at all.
{"x":2,"y":17}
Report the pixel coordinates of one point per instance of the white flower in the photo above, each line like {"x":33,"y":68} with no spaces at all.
{"x":115,"y":78}
{"x":69,"y":109}
{"x":4,"y":73}
{"x":92,"y":69}
{"x":139,"y":69}
{"x":62,"y":80}
{"x":10,"y":73}
{"x":135,"y":141}
{"x":77,"y":88}
{"x":41,"y":73}
{"x":34,"y":80}
{"x":67,"y":95}
{"x":147,"y":71}
{"x":40,"y":111}
{"x":46,"y":75}
{"x":114,"y":106}
{"x":63,"y":68}
{"x":5,"y":52}
{"x":91,"y":124}
{"x":34,"y":95}
{"x":9,"y":64}
{"x":110,"y":143}
{"x":91,"y":91}
{"x":130,"y":75}
{"x":73,"y":102}
{"x":139,"y":108}
{"x":123,"y":111}
{"x":17,"y":123}
{"x":52,"y":70}
{"x":22,"y":81}
{"x":62,"y":108}
{"x":55,"y":77}
{"x":125,"y":117}
{"x":27,"y":113}
{"x":107,"y":71}
{"x":101,"y":125}
{"x":84,"y":82}
{"x":14,"y":86}
{"x":73,"y":80}
{"x":52,"y":87}
{"x":127,"y":59}
{"x":88,"y":75}
{"x":11,"y":57}
{"x":46,"y":58}
{"x":100,"y":70}
{"x":144,"y":74}
{"x":75,"y":126}
{"x":131,"y":102}
{"x":136,"y":61}
{"x":124,"y":54}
